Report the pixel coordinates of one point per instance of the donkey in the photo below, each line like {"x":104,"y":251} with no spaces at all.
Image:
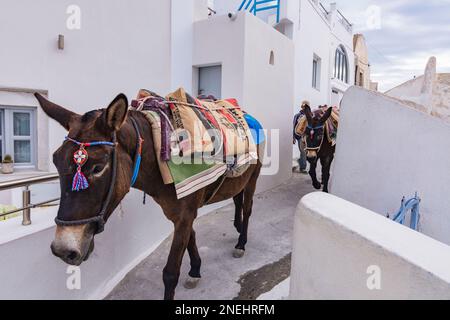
{"x":318,"y":146}
{"x":109,"y":170}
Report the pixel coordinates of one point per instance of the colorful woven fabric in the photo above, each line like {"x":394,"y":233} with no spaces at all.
{"x":256,"y":129}
{"x":197,"y":142}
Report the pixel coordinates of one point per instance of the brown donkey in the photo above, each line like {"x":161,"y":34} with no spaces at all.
{"x":318,"y":147}
{"x":82,"y":215}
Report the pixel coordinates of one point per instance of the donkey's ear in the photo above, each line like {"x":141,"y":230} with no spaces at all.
{"x":58,"y":113}
{"x":116,"y":114}
{"x":308,"y":113}
{"x":326,"y":116}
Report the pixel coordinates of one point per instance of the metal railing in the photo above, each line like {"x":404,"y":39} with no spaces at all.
{"x":323,"y":10}
{"x":406,"y":206}
{"x":347,"y":25}
{"x":211,"y":11}
{"x":256,"y":6}
{"x":26,"y":195}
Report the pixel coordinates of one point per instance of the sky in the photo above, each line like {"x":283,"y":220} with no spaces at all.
{"x":401,"y":35}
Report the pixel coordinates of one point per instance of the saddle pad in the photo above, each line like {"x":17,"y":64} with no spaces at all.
{"x":214,"y":128}
{"x":194,"y":174}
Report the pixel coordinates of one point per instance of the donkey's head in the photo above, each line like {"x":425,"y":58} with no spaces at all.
{"x":315,"y":131}
{"x":94,"y":191}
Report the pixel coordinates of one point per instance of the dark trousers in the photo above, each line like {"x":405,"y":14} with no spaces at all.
{"x":302,"y":162}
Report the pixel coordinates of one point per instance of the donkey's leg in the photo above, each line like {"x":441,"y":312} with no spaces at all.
{"x":312,"y":172}
{"x":249,"y":192}
{"x":171,"y":272}
{"x":196,"y":262}
{"x":326,"y":166}
{"x":238,"y":201}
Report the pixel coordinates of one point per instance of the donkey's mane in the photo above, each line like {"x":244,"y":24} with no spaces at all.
{"x":89,"y":116}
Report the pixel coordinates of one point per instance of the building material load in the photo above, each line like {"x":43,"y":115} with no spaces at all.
{"x":198,"y":142}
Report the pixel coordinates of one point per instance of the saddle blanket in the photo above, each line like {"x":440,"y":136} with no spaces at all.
{"x":331,"y":126}
{"x":197,"y":142}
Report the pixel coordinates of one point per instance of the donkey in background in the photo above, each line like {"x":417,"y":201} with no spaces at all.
{"x":318,"y":146}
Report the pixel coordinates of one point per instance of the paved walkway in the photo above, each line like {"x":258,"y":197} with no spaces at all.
{"x":265,"y":265}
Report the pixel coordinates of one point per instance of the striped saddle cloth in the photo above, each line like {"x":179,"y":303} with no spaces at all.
{"x":198,"y":141}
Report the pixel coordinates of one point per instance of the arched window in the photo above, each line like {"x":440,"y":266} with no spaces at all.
{"x":341,"y":65}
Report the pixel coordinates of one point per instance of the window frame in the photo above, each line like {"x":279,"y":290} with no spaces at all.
{"x":316,"y":72}
{"x":8,"y":137}
{"x":341,"y":65}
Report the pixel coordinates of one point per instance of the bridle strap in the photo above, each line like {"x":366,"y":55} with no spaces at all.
{"x":320,"y":146}
{"x":315,"y":128}
{"x":100,"y":218}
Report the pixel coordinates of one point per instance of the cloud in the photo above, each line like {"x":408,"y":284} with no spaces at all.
{"x":410,"y":31}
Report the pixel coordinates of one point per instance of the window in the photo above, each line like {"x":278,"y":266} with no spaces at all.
{"x":17,"y":135}
{"x":210,"y":81}
{"x":316,"y":72}
{"x":341,"y":65}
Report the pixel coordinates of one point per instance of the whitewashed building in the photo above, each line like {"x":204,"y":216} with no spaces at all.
{"x":323,"y":39}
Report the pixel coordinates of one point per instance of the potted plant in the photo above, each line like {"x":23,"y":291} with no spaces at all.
{"x":7,"y":164}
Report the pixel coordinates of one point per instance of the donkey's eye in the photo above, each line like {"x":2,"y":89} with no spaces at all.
{"x":98,"y":168}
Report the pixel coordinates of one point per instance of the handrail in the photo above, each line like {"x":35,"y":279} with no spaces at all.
{"x":26,"y":194}
{"x":31,"y":206}
{"x":343,"y":17}
{"x":325,"y":11}
{"x":258,"y":6}
{"x":12,"y":184}
{"x":344,"y":21}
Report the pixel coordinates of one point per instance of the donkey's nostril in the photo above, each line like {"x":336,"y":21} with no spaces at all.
{"x":66,"y":254}
{"x":72,"y":255}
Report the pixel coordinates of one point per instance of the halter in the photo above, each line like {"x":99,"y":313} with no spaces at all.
{"x":80,"y":181}
{"x":312,"y":131}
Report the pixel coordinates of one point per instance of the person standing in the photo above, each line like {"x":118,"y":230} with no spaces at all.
{"x":298,"y":139}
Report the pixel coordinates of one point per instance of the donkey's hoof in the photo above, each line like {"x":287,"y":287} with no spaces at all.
{"x":238,"y":253}
{"x":317,"y":185}
{"x":191,"y":283}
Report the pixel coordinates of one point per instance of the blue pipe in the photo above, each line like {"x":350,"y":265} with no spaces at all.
{"x":257,"y":6}
{"x":406,"y":206}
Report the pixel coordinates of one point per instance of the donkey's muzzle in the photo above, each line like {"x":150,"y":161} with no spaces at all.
{"x":311,"y":155}
{"x":74,"y":244}
{"x":69,"y":255}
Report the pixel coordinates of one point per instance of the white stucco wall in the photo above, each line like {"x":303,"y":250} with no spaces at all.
{"x":121,"y":47}
{"x":268,"y":94}
{"x":312,"y":34}
{"x":340,"y":248}
{"x":387,"y":150}
{"x":263,"y":90}
{"x":223,"y":7}
{"x":429,"y":93}
{"x":99,"y":60}
{"x":308,"y":26}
